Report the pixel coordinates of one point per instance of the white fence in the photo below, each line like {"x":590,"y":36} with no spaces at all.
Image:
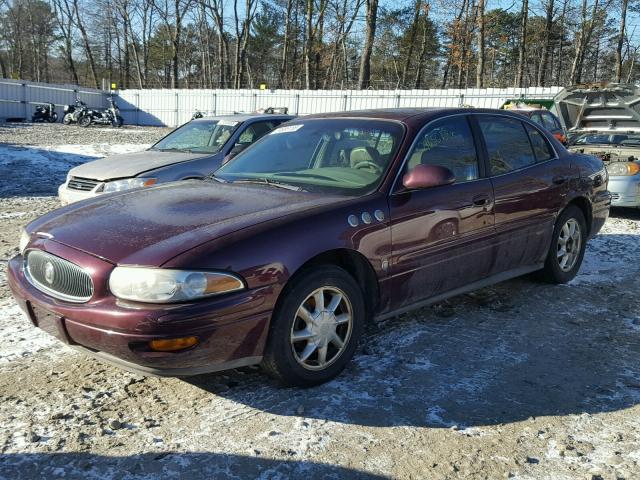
{"x":18,"y":98}
{"x":174,"y":107}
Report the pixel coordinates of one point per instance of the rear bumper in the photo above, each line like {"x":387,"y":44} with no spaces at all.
{"x":231,"y":330}
{"x":625,"y":191}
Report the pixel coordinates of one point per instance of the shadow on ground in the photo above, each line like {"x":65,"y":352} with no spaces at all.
{"x":28,"y":171}
{"x":520,"y":349}
{"x":165,"y":465}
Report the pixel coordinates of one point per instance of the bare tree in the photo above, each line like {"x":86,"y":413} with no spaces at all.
{"x":523,"y":43}
{"x":620,"y":42}
{"x":544,"y":59}
{"x":364,"y":79}
{"x":480,"y":64}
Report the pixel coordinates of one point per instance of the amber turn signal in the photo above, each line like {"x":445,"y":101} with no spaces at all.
{"x":173,"y":344}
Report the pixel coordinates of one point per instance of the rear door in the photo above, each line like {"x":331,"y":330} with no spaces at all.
{"x":441,"y":236}
{"x":530,"y":184}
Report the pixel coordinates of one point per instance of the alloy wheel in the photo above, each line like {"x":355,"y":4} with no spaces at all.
{"x":569,"y":245}
{"x":322,"y":328}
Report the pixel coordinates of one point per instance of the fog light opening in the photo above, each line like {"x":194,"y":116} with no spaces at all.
{"x":173,"y":344}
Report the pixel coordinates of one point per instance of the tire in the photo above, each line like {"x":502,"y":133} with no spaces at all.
{"x":117,"y":122}
{"x":299,"y":362}
{"x":67,"y":119}
{"x":52,"y":118}
{"x":570,"y":236}
{"x":84,"y":121}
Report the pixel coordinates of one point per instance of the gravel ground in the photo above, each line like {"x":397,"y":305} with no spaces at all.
{"x":522,"y":380}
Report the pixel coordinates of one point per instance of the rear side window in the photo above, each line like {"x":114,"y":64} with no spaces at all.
{"x":550,"y":123}
{"x":448,"y":143}
{"x":507,"y":144}
{"x":536,"y":117}
{"x":541,"y":147}
{"x":256,"y":131}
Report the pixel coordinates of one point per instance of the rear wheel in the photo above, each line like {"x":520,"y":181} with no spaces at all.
{"x":567,"y":247}
{"x":84,"y":121}
{"x":316,"y":328}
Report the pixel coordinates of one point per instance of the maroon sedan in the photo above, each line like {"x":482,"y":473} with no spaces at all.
{"x":327,"y":223}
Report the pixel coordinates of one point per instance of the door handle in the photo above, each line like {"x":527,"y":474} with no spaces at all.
{"x":481,"y":200}
{"x":559,"y":180}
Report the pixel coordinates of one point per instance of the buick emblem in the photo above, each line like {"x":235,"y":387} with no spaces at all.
{"x":49,"y":273}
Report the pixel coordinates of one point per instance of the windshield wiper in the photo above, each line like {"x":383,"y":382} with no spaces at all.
{"x":183,"y":150}
{"x":272,"y":183}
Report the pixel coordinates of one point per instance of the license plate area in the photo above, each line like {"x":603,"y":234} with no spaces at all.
{"x":48,"y":322}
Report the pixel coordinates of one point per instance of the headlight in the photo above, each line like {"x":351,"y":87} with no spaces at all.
{"x":159,"y":285}
{"x":24,"y":241}
{"x":127,"y":183}
{"x":623,"y":169}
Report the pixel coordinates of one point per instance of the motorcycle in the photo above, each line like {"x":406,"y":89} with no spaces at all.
{"x":109,"y":116}
{"x":197,"y":114}
{"x":73,"y":112}
{"x":45,"y":113}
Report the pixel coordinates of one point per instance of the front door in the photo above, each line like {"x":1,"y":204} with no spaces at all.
{"x":442,"y":236}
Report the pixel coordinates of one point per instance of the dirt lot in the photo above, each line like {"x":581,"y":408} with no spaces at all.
{"x":523,"y":380}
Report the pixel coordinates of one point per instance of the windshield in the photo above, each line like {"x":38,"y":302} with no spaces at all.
{"x":348,"y":156}
{"x":617,"y":139}
{"x":201,"y":136}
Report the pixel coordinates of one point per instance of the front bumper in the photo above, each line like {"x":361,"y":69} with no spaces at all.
{"x":67,"y":195}
{"x":232,"y":329}
{"x":625,"y":191}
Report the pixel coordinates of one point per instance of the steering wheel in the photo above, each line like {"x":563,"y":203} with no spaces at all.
{"x":369,"y":164}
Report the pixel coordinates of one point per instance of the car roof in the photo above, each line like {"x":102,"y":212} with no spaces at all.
{"x":408,"y":115}
{"x":243,"y":117}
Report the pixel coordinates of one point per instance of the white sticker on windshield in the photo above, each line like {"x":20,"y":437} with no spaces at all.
{"x":228,"y":123}
{"x":287,"y":129}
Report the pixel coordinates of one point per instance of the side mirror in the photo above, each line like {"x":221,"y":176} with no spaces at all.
{"x":427,"y":176}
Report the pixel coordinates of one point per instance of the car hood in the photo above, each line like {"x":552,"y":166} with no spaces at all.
{"x":131,"y":164}
{"x":597,"y":108}
{"x":152,"y":225}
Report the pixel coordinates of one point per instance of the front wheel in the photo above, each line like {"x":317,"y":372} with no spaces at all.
{"x":117,"y":122}
{"x":568,"y":244}
{"x":316,"y":328}
{"x":84,"y":121}
{"x":53,"y":118}
{"x":67,"y":119}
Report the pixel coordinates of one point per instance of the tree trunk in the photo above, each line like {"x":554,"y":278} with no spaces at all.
{"x":480,"y":64}
{"x":412,"y":39}
{"x":87,"y":47}
{"x":544,"y":59}
{"x":620,"y":42}
{"x":523,"y":43}
{"x":308,"y":44}
{"x":282,"y":80}
{"x":364,"y":78}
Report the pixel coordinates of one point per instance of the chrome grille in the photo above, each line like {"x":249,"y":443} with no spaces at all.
{"x":84,"y":184}
{"x":58,"y":277}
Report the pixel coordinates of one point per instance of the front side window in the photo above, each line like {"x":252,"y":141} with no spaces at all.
{"x":447,"y":143}
{"x":507,"y":144}
{"x":339,"y":155}
{"x":200,"y":136}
